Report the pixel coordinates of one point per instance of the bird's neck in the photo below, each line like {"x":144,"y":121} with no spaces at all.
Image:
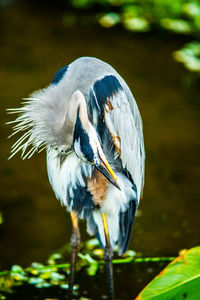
{"x":77,"y":105}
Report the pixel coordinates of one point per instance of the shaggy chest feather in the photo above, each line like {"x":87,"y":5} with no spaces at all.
{"x":76,"y":183}
{"x":97,"y":186}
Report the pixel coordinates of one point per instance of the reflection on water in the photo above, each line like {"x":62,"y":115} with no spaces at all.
{"x":35,"y":45}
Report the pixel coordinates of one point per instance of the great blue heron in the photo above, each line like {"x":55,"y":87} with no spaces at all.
{"x":90,"y":125}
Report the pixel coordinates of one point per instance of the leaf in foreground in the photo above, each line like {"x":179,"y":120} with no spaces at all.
{"x":179,"y":280}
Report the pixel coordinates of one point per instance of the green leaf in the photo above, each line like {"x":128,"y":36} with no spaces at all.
{"x":52,"y":259}
{"x":17,"y":269}
{"x":64,"y":286}
{"x":43,"y":285}
{"x":17,"y":273}
{"x":91,"y":244}
{"x":37,"y":265}
{"x":136,"y":24}
{"x":179,"y":280}
{"x":191,"y":9}
{"x":130,"y":253}
{"x":93,"y":264}
{"x":189,"y":55}
{"x":176,"y":25}
{"x":110,"y":19}
{"x":56,"y":276}
{"x":35,"y":280}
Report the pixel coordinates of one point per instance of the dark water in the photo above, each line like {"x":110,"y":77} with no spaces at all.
{"x":35,"y":43}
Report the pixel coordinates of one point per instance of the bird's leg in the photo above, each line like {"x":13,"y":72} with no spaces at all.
{"x":75,"y":242}
{"x":108,"y":253}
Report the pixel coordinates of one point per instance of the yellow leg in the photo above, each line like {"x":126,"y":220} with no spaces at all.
{"x":105,"y":227}
{"x":74,"y":220}
{"x":75,"y":242}
{"x":108,"y":253}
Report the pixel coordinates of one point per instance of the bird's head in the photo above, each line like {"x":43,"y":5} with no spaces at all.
{"x":49,"y":120}
{"x":86,"y":144}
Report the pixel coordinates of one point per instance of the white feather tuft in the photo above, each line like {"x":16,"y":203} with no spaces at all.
{"x":42,"y":117}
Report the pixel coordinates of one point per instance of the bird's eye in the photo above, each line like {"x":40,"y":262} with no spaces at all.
{"x":68,"y":149}
{"x":63,"y":151}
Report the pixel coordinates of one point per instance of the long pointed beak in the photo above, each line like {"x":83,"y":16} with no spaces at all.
{"x":107,"y":171}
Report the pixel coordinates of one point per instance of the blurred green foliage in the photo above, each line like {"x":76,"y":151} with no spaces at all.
{"x":55,"y":273}
{"x":180,"y":277}
{"x":173,"y":16}
{"x":189,"y":55}
{"x":178,"y":16}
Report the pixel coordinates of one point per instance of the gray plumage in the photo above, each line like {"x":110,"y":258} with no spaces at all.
{"x":112,"y":125}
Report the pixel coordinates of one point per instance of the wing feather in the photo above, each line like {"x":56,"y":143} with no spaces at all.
{"x":114,"y":113}
{"x":124,"y":121}
{"x":112,"y":107}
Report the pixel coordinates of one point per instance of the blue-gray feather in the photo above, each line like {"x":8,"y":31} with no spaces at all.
{"x":98,"y":96}
{"x":112,"y":111}
{"x":59,"y":75}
